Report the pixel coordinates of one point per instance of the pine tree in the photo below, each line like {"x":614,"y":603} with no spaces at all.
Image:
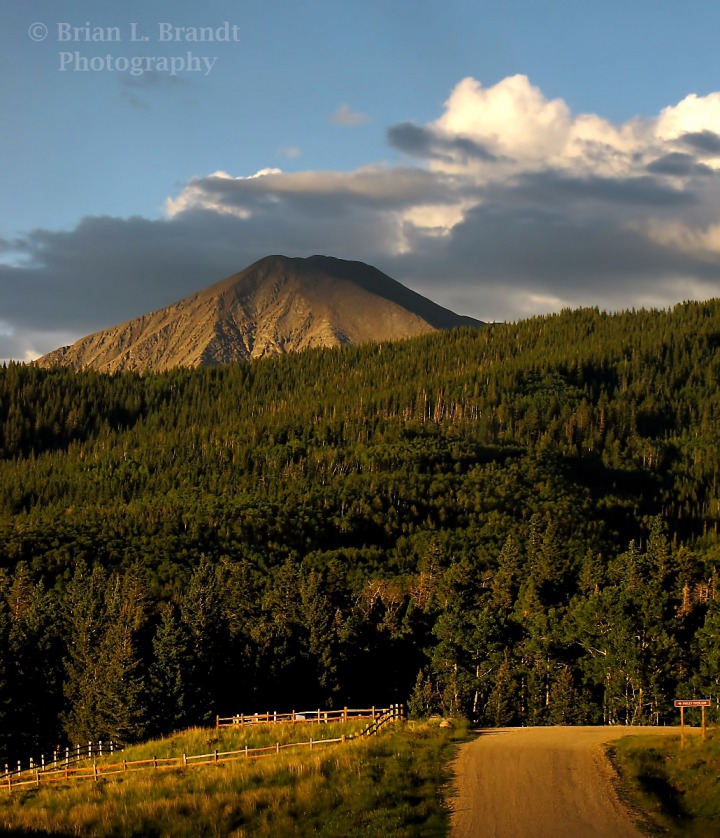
{"x":34,"y":649}
{"x":201,"y":611}
{"x":104,"y":682}
{"x":170,"y":673}
{"x":5,"y":695}
{"x":122,"y":700}
{"x":85,"y":625}
{"x":502,"y":705}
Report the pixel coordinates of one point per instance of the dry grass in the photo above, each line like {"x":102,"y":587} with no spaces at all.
{"x":388,"y":784}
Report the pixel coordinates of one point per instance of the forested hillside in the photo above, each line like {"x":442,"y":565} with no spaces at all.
{"x":518,"y":523}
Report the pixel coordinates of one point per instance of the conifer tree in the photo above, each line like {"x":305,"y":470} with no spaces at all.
{"x":170,"y":673}
{"x":85,"y":625}
{"x":201,"y":611}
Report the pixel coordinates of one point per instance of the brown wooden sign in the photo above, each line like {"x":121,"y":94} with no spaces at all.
{"x":682,"y":703}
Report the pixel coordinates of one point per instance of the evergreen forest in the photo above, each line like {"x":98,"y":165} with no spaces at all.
{"x":517,"y":523}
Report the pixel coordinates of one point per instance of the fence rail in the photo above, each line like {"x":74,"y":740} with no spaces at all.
{"x":36,"y":777}
{"x":322,"y":716}
{"x":62,"y":757}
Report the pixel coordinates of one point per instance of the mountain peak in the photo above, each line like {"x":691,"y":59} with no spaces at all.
{"x":276,"y":305}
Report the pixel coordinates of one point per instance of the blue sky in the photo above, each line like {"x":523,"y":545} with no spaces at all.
{"x":502,"y":158}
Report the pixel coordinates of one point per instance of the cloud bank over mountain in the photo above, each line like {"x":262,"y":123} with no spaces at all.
{"x":507,"y":204}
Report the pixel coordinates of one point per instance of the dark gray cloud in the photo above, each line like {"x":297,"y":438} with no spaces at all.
{"x":151,"y":79}
{"x":704,"y":141}
{"x":428,"y":144}
{"x":507,"y":263}
{"x":150,"y":83}
{"x":527,"y":243}
{"x":560,"y":190}
{"x":678,"y":164}
{"x":108,"y":270}
{"x":327,"y":193}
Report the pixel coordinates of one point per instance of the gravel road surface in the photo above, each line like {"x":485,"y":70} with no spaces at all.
{"x":541,"y":782}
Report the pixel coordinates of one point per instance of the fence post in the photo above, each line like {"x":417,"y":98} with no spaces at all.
{"x":343,"y":738}
{"x":217,"y":722}
{"x":185,"y":760}
{"x":42,"y":761}
{"x":242,"y":719}
{"x":318,"y":714}
{"x":293,"y":715}
{"x":124,"y":765}
{"x":19,"y":767}
{"x":373,"y":712}
{"x":95,"y":771}
{"x":275,"y":716}
{"x":246,"y":751}
{"x":112,"y":747}
{"x":100,"y":746}
{"x":277,"y":747}
{"x":67,"y":755}
{"x":10,"y":783}
{"x":32,"y":764}
{"x":311,"y":743}
{"x":216,"y":755}
{"x":89,"y":749}
{"x":37,"y":778}
{"x":345,"y":714}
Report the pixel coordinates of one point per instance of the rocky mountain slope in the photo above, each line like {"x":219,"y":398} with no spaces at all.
{"x":276,"y":305}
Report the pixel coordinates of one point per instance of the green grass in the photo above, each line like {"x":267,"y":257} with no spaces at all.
{"x":391,"y":784}
{"x":200,"y":740}
{"x":679,"y":790}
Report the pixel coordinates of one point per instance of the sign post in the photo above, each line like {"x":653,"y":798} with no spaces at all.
{"x":682,"y":703}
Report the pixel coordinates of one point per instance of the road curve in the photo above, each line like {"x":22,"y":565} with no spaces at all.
{"x":541,"y":782}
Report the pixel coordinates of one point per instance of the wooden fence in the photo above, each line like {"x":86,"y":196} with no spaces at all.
{"x":62,"y":757}
{"x":61,"y":773}
{"x":321,"y":716}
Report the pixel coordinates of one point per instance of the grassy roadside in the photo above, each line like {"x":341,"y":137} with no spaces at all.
{"x":679,"y":790}
{"x":392,"y":784}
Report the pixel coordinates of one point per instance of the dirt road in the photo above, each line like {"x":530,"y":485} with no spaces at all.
{"x":542,"y":782}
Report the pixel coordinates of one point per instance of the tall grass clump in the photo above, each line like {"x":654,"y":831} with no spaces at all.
{"x":678,"y":789}
{"x":391,"y":784}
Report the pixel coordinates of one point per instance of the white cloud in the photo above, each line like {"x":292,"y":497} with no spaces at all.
{"x":517,"y":122}
{"x":512,"y":118}
{"x":510,"y":205}
{"x":193,"y":196}
{"x":437,"y":219}
{"x":693,"y":113}
{"x":701,"y":242}
{"x":345,"y":116}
